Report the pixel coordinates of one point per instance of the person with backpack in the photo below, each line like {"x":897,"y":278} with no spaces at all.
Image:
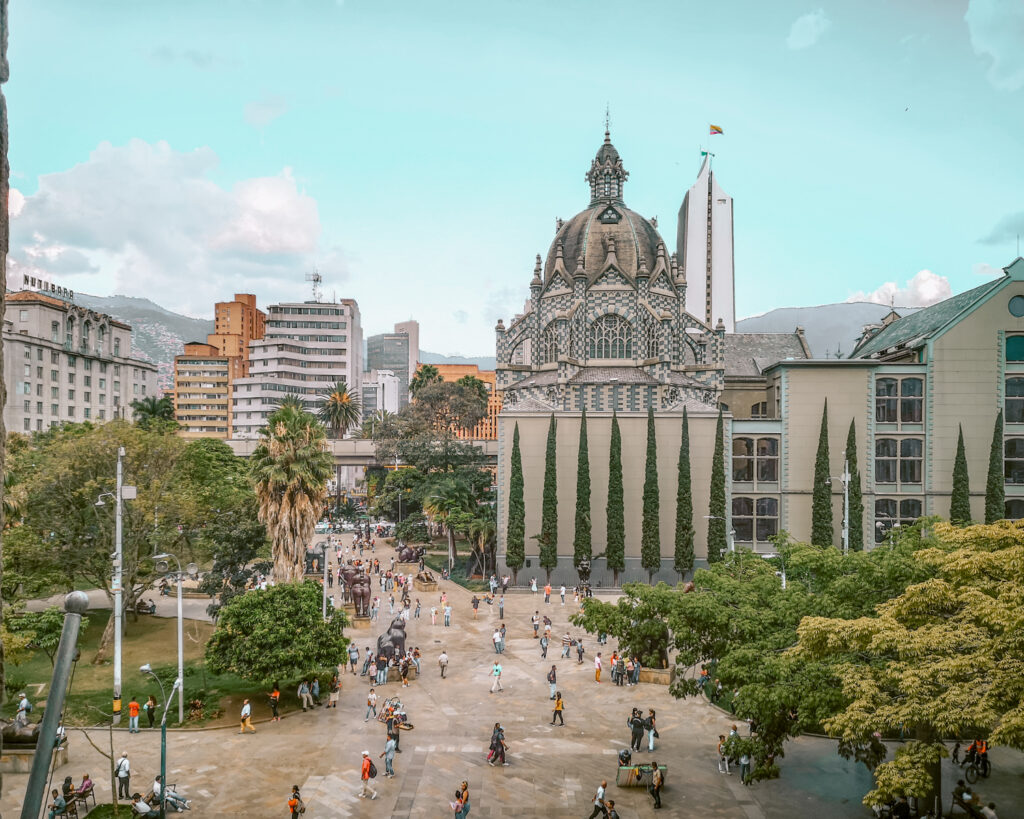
{"x":552,"y":681}
{"x":544,"y":647}
{"x":24,"y":709}
{"x":367,"y":772}
{"x":295,"y":804}
{"x":636,"y":730}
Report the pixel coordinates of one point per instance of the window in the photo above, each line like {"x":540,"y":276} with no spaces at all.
{"x":71,"y":395}
{"x":742,"y":460}
{"x":71,"y":412}
{"x":28,"y":353}
{"x":28,"y":421}
{"x":885,"y":400}
{"x":899,"y":399}
{"x":902,"y":457}
{"x":39,"y":372}
{"x":1014,"y":400}
{"x":39,"y":390}
{"x":611,"y":336}
{"x":758,"y":457}
{"x":54,"y":375}
{"x":88,"y":396}
{"x":1015,"y":348}
{"x":117,"y":386}
{"x":86,"y":364}
{"x":1014,"y":509}
{"x":28,"y":370}
{"x":117,"y":346}
{"x":54,"y":392}
{"x":103,"y":398}
{"x":103,"y":367}
{"x":759,"y":410}
{"x":39,"y":407}
{"x":71,"y":378}
{"x":102,"y":415}
{"x":87,"y":412}
{"x":549,"y":344}
{"x":652,"y":340}
{"x":54,"y":409}
{"x":72,"y":361}
{"x":25,"y":388}
{"x":768,"y":459}
{"x":39,"y":354}
{"x":117,"y":369}
{"x":54,"y":358}
{"x":755,"y":519}
{"x":54,"y":331}
{"x":1013,"y":460}
{"x":103,"y":383}
{"x":88,"y":380}
{"x":23,"y":316}
{"x":27,"y":406}
{"x":890,"y":512}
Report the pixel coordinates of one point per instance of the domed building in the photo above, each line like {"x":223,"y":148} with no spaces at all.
{"x":606,"y":326}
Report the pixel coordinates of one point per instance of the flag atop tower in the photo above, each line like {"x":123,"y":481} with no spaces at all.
{"x":716,"y":129}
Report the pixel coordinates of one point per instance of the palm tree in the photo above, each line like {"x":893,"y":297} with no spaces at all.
{"x":447,"y":502}
{"x":379,"y":425}
{"x":151,"y":409}
{"x":292,"y":400}
{"x":483,"y":529}
{"x":15,"y":497}
{"x":426,"y":374}
{"x":290,"y":469}
{"x":474,"y":386}
{"x":339,"y":410}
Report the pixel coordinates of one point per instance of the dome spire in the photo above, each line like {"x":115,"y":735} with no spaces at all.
{"x":606,"y":175}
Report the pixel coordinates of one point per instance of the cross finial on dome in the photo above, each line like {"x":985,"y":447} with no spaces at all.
{"x":607,"y":124}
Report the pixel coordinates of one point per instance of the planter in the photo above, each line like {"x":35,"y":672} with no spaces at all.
{"x":18,"y":759}
{"x":658,"y":676}
{"x":424,"y":585}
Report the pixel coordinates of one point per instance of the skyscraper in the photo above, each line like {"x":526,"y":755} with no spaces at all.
{"x":705,"y":247}
{"x":398,"y":352}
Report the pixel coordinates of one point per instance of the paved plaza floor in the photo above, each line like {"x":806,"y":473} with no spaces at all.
{"x":554,"y":771}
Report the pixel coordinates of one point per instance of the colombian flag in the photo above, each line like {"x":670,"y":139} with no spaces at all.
{"x":715,"y":129}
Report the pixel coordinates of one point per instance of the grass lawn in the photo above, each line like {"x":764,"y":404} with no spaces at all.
{"x":438,"y":562}
{"x":149,"y":640}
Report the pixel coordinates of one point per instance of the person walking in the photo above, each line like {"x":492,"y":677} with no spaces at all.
{"x":416,"y":614}
{"x":150,"y":709}
{"x":388,"y":755}
{"x":657,"y":780}
{"x":496,"y":639}
{"x":133,"y":716}
{"x":475,"y":603}
{"x":335,"y":691}
{"x":314,"y":692}
{"x":442,"y":661}
{"x":597,"y":668}
{"x":559,"y":707}
{"x":566,"y":644}
{"x":501,"y":607}
{"x":371,"y":705}
{"x":535,"y":622}
{"x":364,"y":775}
{"x":498,"y":746}
{"x":295,"y":806}
{"x":552,"y":681}
{"x":745,"y":768}
{"x":599,"y":806}
{"x":636,"y":730}
{"x":723,"y":758}
{"x":544,"y":647}
{"x":496,"y":676}
{"x":246,"y":717}
{"x":463,"y":798}
{"x":547,"y":593}
{"x":612,"y":813}
{"x":123,"y":773}
{"x":353,"y":656}
{"x":433,"y":615}
{"x":579,"y":651}
{"x":447,"y":614}
{"x":274,"y":698}
{"x":304,"y":696}
{"x":561,"y":593}
{"x":652,"y":730}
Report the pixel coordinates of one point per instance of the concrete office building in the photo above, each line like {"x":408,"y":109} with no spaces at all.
{"x":397,"y":352}
{"x":381,"y":389}
{"x":307,"y":348}
{"x":64,"y":363}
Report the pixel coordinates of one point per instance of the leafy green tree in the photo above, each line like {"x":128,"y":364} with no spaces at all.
{"x":960,"y":503}
{"x":449,"y":501}
{"x":856,"y":522}
{"x":339,"y":410}
{"x":425,"y":374}
{"x":483,"y":530}
{"x":943,"y":658}
{"x":379,"y":425}
{"x":683,"y":554}
{"x":638,"y":621}
{"x":717,"y":543}
{"x":995,"y":489}
{"x":548,"y":539}
{"x":290,"y":469}
{"x":821,"y":499}
{"x":241,"y":551}
{"x":413,"y":529}
{"x":154,"y":412}
{"x":582,"y":548}
{"x":291,"y":400}
{"x":650,"y":528}
{"x":42,"y":629}
{"x":515,"y":535}
{"x":615,"y":549}
{"x":277,"y":633}
{"x":474,"y":386}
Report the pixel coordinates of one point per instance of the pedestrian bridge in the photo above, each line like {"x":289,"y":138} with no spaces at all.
{"x":355,"y":451}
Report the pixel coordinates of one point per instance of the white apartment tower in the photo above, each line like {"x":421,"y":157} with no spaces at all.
{"x":306,"y":349}
{"x":705,"y":247}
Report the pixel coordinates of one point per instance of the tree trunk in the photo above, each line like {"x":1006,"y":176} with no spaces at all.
{"x":451,"y":547}
{"x":105,"y":640}
{"x":925,"y":734}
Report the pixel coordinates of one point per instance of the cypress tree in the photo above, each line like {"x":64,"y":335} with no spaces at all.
{"x":821,"y":504}
{"x":960,"y":503}
{"x":856,"y":500}
{"x":549,"y":505}
{"x":995,"y":491}
{"x":615,"y":552}
{"x":581,"y":544}
{"x":515,"y":538}
{"x":683,"y":557}
{"x":650,"y":529}
{"x":717,"y":542}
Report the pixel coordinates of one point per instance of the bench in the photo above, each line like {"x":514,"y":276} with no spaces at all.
{"x":638,"y":776}
{"x":967,"y":808}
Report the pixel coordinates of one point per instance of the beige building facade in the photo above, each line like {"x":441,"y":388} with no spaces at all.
{"x":202,"y":391}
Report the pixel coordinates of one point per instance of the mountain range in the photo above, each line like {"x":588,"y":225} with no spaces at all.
{"x":158,"y":335}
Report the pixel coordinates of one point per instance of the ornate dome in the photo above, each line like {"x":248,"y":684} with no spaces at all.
{"x":607,"y":228}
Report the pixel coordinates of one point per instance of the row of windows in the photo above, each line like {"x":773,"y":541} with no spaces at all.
{"x":307,"y":311}
{"x":72,"y":361}
{"x":899,"y":399}
{"x":308,"y":325}
{"x":755,"y":457}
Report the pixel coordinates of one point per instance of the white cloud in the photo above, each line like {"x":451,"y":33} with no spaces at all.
{"x":15,"y":202}
{"x":985,"y":269}
{"x":806,"y":30}
{"x":460,"y":316}
{"x":997,"y":32}
{"x":145,"y":220}
{"x":260,"y":113}
{"x":923,"y":289}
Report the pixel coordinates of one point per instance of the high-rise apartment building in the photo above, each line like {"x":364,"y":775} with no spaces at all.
{"x":380,"y":392}
{"x":235,"y":324}
{"x":307,"y":347}
{"x":398,"y":352}
{"x":202,"y":391}
{"x":487,"y":429}
{"x":64,"y":363}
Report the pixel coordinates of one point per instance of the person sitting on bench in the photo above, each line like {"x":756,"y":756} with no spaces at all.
{"x":176,"y":801}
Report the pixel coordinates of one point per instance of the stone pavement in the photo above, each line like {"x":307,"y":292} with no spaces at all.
{"x":554,"y":771}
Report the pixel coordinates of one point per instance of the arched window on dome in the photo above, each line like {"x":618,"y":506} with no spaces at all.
{"x":609,"y":185}
{"x":549,"y":344}
{"x":611,"y":336}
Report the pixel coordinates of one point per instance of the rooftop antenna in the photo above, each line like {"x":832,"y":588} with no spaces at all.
{"x":607,"y":119}
{"x":317,"y":280}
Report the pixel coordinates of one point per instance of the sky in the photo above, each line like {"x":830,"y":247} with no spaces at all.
{"x":417,"y":154}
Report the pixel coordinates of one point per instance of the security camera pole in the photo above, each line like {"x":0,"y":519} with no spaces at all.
{"x":192,"y":570}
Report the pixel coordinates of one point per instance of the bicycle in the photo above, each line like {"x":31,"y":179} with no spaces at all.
{"x":977,"y":765}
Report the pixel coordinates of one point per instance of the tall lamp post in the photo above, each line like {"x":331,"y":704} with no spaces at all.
{"x":147,"y":669}
{"x":845,"y":478}
{"x":192,"y":570}
{"x":121,"y":493}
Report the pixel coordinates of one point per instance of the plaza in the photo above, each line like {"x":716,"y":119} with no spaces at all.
{"x":553,"y":771}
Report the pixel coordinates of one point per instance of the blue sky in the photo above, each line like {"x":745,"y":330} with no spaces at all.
{"x":418,"y":153}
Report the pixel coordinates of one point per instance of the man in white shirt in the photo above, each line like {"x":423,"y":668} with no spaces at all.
{"x":141,"y":808}
{"x":247,"y":717}
{"x":123,"y":771}
{"x":24,"y":706}
{"x":599,"y":807}
{"x":496,"y":674}
{"x":179,"y":802}
{"x":443,"y":662}
{"x":496,"y":639}
{"x":561,"y":593}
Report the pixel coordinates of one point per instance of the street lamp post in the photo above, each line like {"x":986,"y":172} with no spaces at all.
{"x":845,"y":478}
{"x":192,"y":571}
{"x":147,"y":669}
{"x":121,"y":493}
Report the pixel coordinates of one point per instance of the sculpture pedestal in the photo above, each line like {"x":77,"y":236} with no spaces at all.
{"x":407,"y":568}
{"x":18,"y":758}
{"x":424,"y":585}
